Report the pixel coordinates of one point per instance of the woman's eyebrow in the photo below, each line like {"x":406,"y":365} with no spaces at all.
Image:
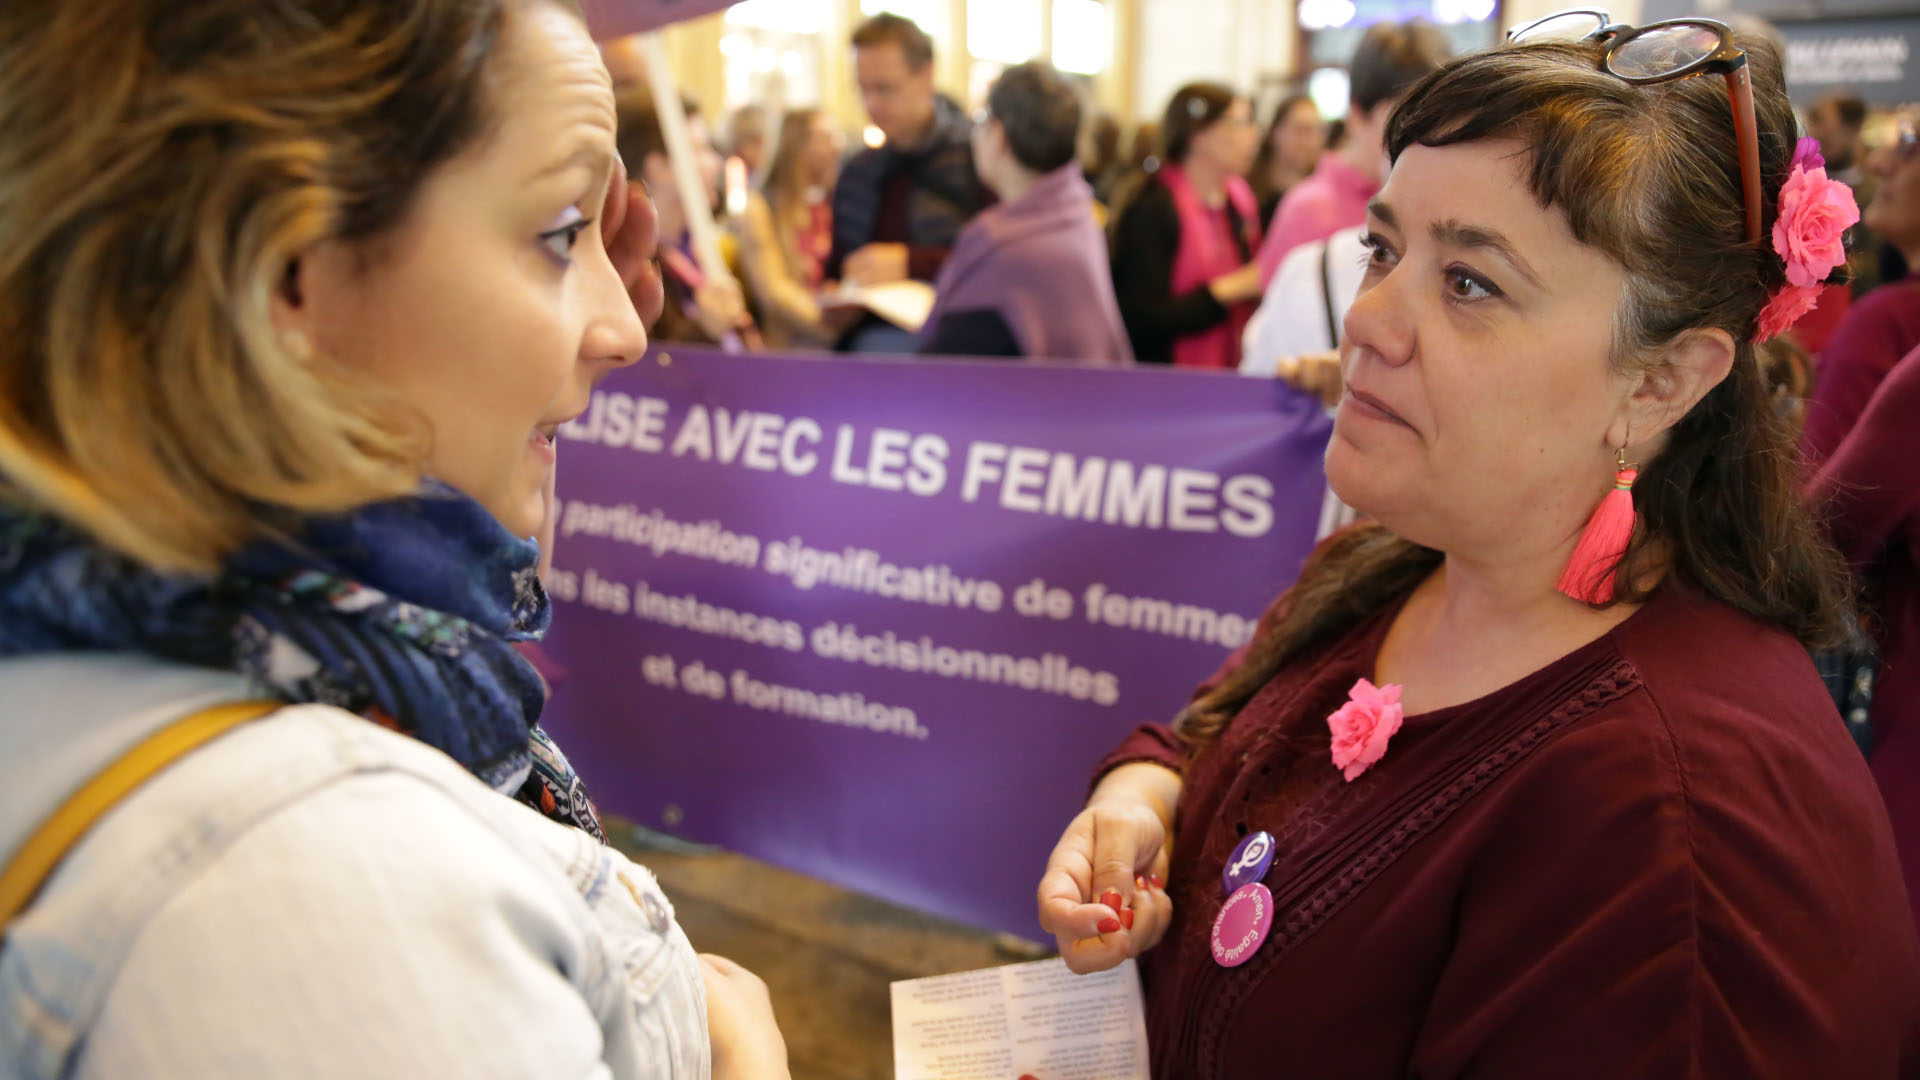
{"x":588,"y":152}
{"x":1455,"y":233}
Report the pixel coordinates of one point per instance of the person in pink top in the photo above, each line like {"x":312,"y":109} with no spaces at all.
{"x":1390,"y":59}
{"x":1183,"y":246}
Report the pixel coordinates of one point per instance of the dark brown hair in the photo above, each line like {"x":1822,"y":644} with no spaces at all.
{"x":637,"y":120}
{"x":1390,"y":58}
{"x":887,"y":28}
{"x":1039,"y":109}
{"x":1650,"y":177}
{"x":162,"y":165}
{"x":1193,"y":109}
{"x":1848,"y":108}
{"x":1260,"y":176}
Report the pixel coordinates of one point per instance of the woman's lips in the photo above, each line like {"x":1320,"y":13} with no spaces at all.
{"x":1373,"y":408}
{"x":542,"y":443}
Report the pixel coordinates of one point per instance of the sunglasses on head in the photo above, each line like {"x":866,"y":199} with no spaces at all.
{"x":1666,"y":51}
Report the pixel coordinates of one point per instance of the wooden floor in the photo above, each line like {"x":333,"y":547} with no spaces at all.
{"x":827,"y":954}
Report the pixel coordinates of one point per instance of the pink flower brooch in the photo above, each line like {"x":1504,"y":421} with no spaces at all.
{"x":1814,"y":214}
{"x":1363,"y":725}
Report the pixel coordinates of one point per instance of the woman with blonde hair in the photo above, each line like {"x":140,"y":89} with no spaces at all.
{"x":295,"y":296}
{"x":787,"y":232}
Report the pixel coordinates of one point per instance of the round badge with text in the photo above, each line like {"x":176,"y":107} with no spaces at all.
{"x":1242,"y":925}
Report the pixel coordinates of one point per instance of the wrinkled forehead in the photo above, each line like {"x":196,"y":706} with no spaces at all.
{"x":548,"y":76}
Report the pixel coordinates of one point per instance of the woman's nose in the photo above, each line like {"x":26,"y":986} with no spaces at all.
{"x":1378,"y":320}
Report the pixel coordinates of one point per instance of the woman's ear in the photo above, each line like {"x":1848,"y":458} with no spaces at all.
{"x":313,"y":290}
{"x":1695,"y":363}
{"x":286,"y":306}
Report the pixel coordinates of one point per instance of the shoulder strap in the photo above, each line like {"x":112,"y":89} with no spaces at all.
{"x":30,"y":867}
{"x":1326,"y":292}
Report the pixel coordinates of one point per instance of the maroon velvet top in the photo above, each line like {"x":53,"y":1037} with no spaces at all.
{"x":1869,"y":492}
{"x":1879,"y":329}
{"x":1659,"y":856}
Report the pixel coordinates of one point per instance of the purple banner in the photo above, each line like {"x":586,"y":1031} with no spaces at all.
{"x":875,"y":620}
{"x":615,"y":18}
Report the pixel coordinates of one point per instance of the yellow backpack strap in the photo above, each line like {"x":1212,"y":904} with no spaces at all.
{"x":47,"y":845}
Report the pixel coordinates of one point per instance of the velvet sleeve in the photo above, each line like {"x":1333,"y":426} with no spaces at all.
{"x":1866,"y":491}
{"x":1144,"y":242}
{"x":1862,"y":351}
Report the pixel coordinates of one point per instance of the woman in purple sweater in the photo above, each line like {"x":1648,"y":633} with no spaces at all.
{"x":1534,"y":777}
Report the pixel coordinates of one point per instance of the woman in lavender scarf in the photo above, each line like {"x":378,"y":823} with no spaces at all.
{"x":1029,"y":277}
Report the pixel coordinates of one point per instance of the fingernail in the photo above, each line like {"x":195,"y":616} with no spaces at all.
{"x":1155,"y":881}
{"x":1139,"y":882}
{"x":1109,"y":924}
{"x":1126,"y":918}
{"x":1111,"y":898}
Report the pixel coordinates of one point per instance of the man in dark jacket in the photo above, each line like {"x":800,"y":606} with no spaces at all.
{"x":898,"y":207}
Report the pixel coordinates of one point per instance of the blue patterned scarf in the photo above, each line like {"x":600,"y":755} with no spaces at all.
{"x":404,"y":612}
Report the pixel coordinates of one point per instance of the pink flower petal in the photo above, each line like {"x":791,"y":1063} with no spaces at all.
{"x":1786,"y":307}
{"x":1362,"y":727}
{"x":1808,"y":231}
{"x":1807,"y":152}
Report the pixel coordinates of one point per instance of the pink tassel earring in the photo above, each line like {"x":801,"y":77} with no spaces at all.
{"x":1591,"y":572}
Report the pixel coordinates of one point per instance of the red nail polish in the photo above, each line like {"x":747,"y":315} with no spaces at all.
{"x":1126,"y":918}
{"x":1111,"y":898}
{"x":1139,"y":882}
{"x":1155,"y":881}
{"x":1109,"y":924}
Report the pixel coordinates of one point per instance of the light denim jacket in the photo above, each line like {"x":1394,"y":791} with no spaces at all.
{"x":312,"y":895}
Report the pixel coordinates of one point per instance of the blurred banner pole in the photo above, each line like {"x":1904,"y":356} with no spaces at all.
{"x":672,"y":112}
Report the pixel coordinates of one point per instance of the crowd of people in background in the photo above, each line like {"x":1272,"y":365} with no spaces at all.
{"x":1189,"y":222}
{"x":1199,"y":209}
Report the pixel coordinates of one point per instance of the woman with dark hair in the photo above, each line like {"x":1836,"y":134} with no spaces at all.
{"x":1028,"y":275}
{"x":1289,"y":151}
{"x":1183,"y":246}
{"x":1533,"y":776}
{"x":297,"y":296}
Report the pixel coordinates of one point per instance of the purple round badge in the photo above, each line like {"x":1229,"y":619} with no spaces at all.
{"x":1248,"y":863}
{"x":1241,"y":927}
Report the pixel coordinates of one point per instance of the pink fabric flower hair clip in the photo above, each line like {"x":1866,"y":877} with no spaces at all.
{"x":1815,"y":212}
{"x":1363,"y":725}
